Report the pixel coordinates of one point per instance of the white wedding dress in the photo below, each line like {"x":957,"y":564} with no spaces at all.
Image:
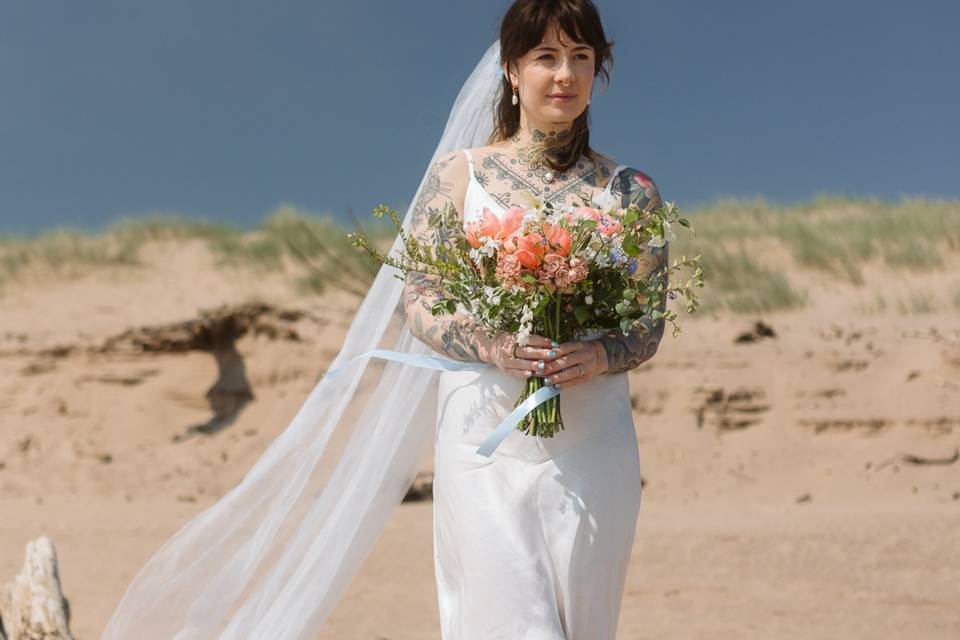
{"x":533,"y":542}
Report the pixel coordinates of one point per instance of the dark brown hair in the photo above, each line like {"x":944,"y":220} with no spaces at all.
{"x":522,"y":28}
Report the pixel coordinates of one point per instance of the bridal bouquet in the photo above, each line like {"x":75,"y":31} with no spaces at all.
{"x":563,"y":274}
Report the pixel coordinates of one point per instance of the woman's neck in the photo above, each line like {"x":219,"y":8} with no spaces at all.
{"x":540,"y":136}
{"x":532,"y":144}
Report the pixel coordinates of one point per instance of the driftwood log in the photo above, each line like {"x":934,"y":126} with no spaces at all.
{"x":33,"y":607}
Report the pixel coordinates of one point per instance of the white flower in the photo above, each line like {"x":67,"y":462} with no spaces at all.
{"x":530,"y":216}
{"x":604,"y":200}
{"x":489,"y":247}
{"x":588,"y":299}
{"x":491,"y":294}
{"x":659,"y":241}
{"x":670,"y":235}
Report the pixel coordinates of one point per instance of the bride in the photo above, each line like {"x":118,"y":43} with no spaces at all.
{"x":532,"y":541}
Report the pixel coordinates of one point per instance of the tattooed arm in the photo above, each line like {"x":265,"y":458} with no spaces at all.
{"x":453,"y":335}
{"x":625,"y":352}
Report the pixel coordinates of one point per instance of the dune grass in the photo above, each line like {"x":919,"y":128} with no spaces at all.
{"x":63,"y":251}
{"x":315,"y":247}
{"x":832,"y":235}
{"x":317,"y":244}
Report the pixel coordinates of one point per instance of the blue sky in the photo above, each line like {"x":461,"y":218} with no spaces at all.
{"x":225,"y":110}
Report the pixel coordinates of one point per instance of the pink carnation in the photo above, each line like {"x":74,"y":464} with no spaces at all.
{"x":553,"y":265}
{"x":573,"y":272}
{"x":509,"y":270}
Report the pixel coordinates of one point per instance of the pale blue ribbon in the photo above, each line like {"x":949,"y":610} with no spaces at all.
{"x":492,"y":441}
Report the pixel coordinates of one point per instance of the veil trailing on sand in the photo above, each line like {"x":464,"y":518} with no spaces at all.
{"x":272,"y":558}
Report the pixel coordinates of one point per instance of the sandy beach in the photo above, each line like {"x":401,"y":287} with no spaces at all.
{"x":800,"y":466}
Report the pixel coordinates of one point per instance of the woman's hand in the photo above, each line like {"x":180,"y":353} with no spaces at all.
{"x":563,"y":364}
{"x":580,"y":361}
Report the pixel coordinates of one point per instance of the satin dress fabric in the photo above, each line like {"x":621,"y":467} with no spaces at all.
{"x":534,"y":541}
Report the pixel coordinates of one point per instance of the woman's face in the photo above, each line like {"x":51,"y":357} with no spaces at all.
{"x":557,"y":67}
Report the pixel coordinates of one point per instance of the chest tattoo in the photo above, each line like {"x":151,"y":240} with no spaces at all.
{"x":507,"y":179}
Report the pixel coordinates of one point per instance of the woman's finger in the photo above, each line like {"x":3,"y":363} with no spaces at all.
{"x":575,"y":374}
{"x":541,"y":348}
{"x":583,"y":355}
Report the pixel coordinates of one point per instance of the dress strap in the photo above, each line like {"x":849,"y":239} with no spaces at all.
{"x":470,"y":160}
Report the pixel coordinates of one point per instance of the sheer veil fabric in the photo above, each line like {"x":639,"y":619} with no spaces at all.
{"x":273,"y":556}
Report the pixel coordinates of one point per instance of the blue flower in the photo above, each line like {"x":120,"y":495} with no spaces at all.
{"x":632,"y":266}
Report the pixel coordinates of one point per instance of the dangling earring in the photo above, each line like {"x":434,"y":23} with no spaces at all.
{"x":515,"y":99}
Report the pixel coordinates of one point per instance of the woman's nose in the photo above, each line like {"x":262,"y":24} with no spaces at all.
{"x":565,"y":72}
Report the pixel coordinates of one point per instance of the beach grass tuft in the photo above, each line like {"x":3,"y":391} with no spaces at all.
{"x":751,"y":249}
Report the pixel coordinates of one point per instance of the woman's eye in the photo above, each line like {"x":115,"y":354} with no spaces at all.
{"x":548,"y":55}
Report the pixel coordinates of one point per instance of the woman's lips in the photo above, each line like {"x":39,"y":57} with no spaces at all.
{"x":562,"y":98}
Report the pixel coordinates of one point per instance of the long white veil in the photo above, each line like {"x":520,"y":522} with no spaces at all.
{"x":273,"y":557}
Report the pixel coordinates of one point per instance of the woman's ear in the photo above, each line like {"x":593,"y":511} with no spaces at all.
{"x":514,"y":77}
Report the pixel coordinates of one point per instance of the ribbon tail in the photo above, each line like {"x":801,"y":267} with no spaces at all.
{"x":509,"y":423}
{"x":424,"y":362}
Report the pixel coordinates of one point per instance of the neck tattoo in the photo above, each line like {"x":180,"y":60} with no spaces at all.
{"x":533,"y":151}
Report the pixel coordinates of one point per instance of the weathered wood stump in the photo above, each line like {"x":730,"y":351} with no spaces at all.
{"x":421,"y":489}
{"x":33,"y":607}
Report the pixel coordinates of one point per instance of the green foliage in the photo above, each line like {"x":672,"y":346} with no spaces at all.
{"x":741,"y":284}
{"x":833,"y":235}
{"x":64,"y":253}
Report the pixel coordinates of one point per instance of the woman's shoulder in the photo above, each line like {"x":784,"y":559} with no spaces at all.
{"x":631,"y":181}
{"x":629,"y":175}
{"x":616,"y":169}
{"x":451,"y":168}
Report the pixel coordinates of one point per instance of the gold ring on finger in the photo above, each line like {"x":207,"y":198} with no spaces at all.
{"x":514,"y":350}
